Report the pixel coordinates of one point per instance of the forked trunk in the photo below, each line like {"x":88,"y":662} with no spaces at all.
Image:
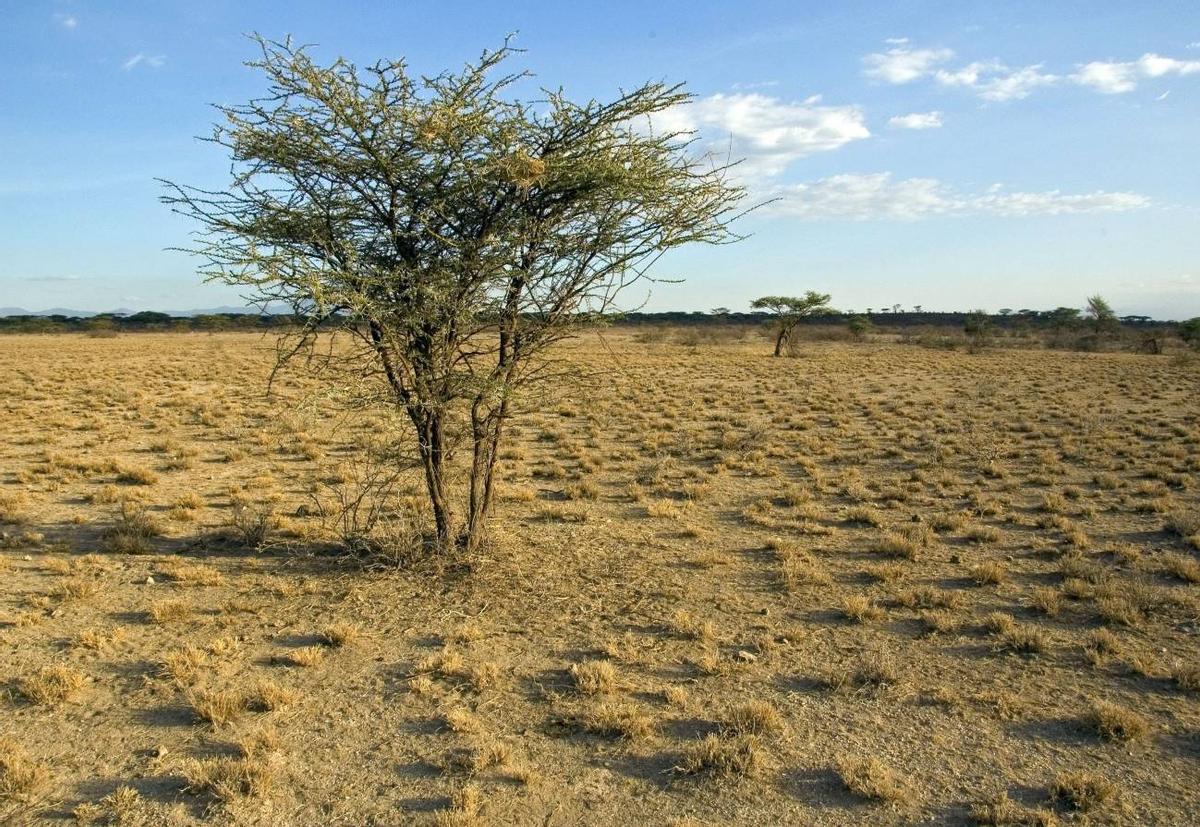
{"x":431,"y":447}
{"x":486,"y":431}
{"x":780,"y":341}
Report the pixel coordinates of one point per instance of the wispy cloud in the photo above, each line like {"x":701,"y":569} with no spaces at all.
{"x":990,"y":79}
{"x":143,"y":59}
{"x":762,"y":84}
{"x":904,"y":65}
{"x":1114,"y":78}
{"x":67,"y":21}
{"x":993,"y":80}
{"x":880,"y":196}
{"x":50,"y":279}
{"x":767,"y":132}
{"x":916,"y":120}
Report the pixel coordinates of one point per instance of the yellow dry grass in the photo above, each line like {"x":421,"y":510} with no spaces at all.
{"x":717,"y":584}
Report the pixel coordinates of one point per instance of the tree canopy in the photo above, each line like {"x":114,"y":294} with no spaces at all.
{"x":789,"y":310}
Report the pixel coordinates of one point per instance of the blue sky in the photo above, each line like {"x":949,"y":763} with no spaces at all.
{"x":948,"y":155}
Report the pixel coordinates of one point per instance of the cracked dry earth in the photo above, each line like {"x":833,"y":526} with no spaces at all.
{"x":872,"y":584}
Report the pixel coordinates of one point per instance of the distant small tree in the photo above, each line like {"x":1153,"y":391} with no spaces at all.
{"x":1005,"y":311}
{"x":1101,"y":314}
{"x":451,"y":232}
{"x":859,"y":327}
{"x":978,"y":327}
{"x":1189,"y":331}
{"x":916,"y":308}
{"x":1063,"y":317}
{"x":789,"y":310}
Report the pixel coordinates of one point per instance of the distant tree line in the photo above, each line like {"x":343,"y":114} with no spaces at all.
{"x":144,"y":322}
{"x":1005,"y":322}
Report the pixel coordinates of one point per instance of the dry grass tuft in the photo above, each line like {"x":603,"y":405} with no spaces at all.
{"x":1083,"y":791}
{"x":264,"y":695}
{"x":76,"y":588}
{"x":184,"y":666}
{"x":340,"y":634}
{"x":619,"y":720}
{"x":193,"y":574}
{"x":251,"y":772}
{"x":686,"y":625}
{"x":461,"y":720}
{"x":306,"y":655}
{"x":21,"y":777}
{"x":51,"y":685}
{"x":990,"y":573}
{"x":874,"y":669}
{"x":861,"y":609}
{"x":871,"y":779}
{"x":594,"y":677}
{"x":738,"y":756}
{"x":753,"y":718}
{"x":1187,"y":677}
{"x":1046,"y":600}
{"x":1002,"y":811}
{"x":1182,"y":568}
{"x":465,"y":807}
{"x":1115,"y":723}
{"x":897,"y":544}
{"x":169,"y":611}
{"x":98,"y":640}
{"x":217,"y":707}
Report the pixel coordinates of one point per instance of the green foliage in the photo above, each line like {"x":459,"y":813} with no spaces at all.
{"x":1189,"y":331}
{"x":978,"y":326}
{"x":859,"y":326}
{"x":458,"y":230}
{"x":789,"y":310}
{"x":1100,"y":313}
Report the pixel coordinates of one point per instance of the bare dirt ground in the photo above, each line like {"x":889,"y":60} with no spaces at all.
{"x":873,"y":584}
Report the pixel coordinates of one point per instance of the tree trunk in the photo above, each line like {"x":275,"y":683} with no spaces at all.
{"x":781,"y":340}
{"x":431,"y":446}
{"x":486,"y":432}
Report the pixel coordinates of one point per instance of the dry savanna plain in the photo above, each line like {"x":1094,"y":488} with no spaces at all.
{"x":872,"y":584}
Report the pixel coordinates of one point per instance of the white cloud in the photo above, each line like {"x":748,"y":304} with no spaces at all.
{"x":1117,"y":77}
{"x":992,"y":80}
{"x":67,"y":21}
{"x":1155,"y":66}
{"x":904,"y":65}
{"x":767,"y":132}
{"x":142,"y":59}
{"x":1108,"y":78}
{"x":1014,"y":84}
{"x":916,"y":120}
{"x":879,"y":196}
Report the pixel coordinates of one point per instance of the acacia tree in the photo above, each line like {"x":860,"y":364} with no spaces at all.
{"x":1189,"y":331}
{"x":451,"y":231}
{"x":789,"y":310}
{"x":1101,"y":314}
